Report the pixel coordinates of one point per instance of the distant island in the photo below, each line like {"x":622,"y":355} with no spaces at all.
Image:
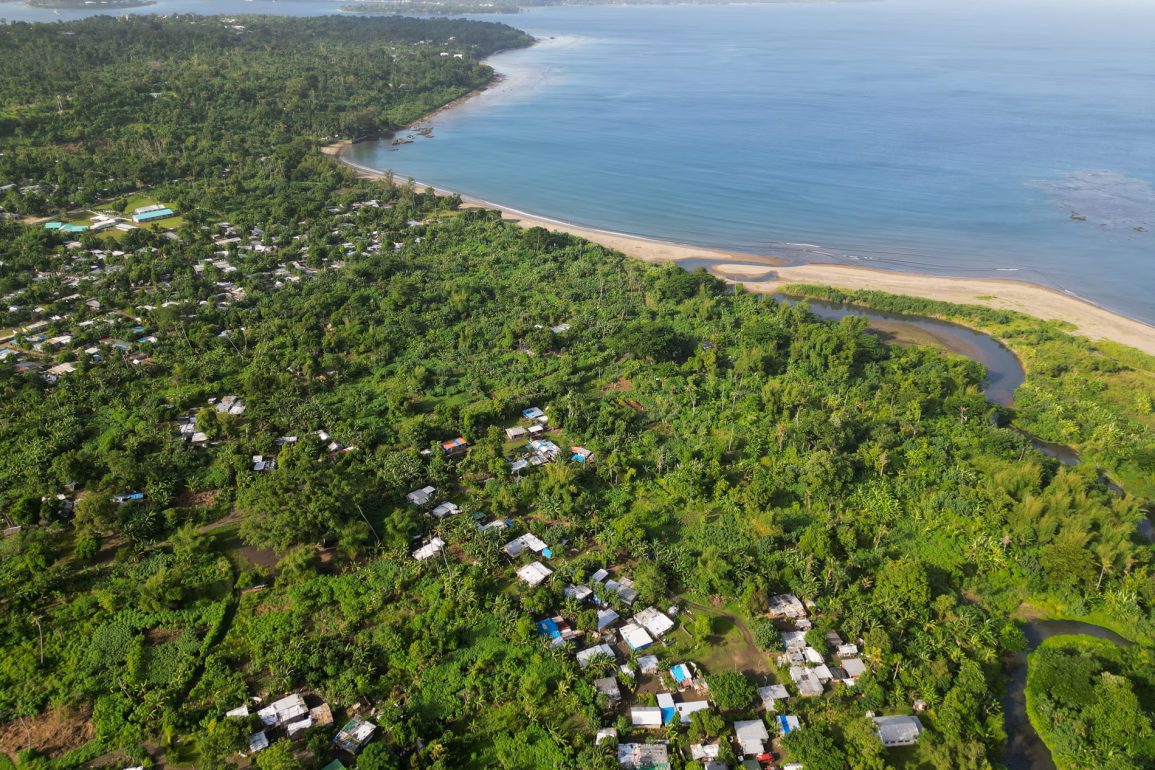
{"x":426,"y":7}
{"x":438,"y":8}
{"x":61,"y":4}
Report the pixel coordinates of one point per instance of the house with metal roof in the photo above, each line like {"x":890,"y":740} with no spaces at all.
{"x":588,"y":655}
{"x":636,"y":637}
{"x":752,"y":736}
{"x":899,"y":730}
{"x":355,"y":734}
{"x":534,"y":574}
{"x":655,"y":621}
{"x":644,"y":756}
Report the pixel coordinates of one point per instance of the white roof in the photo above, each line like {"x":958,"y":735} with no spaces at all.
{"x":854,"y":667}
{"x":604,"y":734}
{"x":648,"y":664}
{"x":581,"y":593}
{"x":646,"y":716}
{"x":606,"y":618}
{"x":898,"y":730}
{"x":296,"y":727}
{"x":789,"y":723}
{"x":534,"y":573}
{"x":823,"y":673}
{"x":258,"y":742}
{"x":636,"y":636}
{"x":528,"y":540}
{"x":813,"y":655}
{"x":240,"y":711}
{"x":445,"y":509}
{"x":752,"y":736}
{"x":689,"y":707}
{"x":585,"y":656}
{"x":771,"y":694}
{"x":421,"y":496}
{"x":794,"y":639}
{"x":665,"y":700}
{"x":705,"y":750}
{"x":430,"y":549}
{"x":808,"y":684}
{"x":599,"y":576}
{"x":655,"y":621}
{"x":284,"y":710}
{"x":847,"y":650}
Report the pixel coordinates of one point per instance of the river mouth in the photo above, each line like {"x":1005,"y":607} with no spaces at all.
{"x":1004,"y":371}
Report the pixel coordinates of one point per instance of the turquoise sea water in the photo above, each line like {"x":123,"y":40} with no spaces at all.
{"x":942,"y":136}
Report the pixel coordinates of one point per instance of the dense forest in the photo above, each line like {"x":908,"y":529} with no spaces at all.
{"x":1092,"y":702}
{"x":214,"y":430}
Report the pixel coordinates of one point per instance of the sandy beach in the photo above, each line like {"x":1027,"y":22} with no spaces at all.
{"x":1089,"y":319}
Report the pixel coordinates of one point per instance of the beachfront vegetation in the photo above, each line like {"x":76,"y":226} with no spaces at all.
{"x":1092,"y":702}
{"x":741,"y":448}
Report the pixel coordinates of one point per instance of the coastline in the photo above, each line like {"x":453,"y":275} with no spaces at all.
{"x":768,"y":275}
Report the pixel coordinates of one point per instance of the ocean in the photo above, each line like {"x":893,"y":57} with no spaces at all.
{"x":1008,"y":138}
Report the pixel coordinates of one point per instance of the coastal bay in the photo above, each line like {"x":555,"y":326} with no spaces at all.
{"x":769,"y":275}
{"x":864,"y":135}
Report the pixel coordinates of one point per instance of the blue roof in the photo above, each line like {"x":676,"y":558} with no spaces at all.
{"x":784,"y":723}
{"x":53,"y":225}
{"x":159,"y":214}
{"x":669,"y":716}
{"x":548,"y":627}
{"x":681,"y":673}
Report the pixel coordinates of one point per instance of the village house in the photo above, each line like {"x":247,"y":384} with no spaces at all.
{"x":454,"y":446}
{"x":854,"y":668}
{"x":902,"y":730}
{"x":644,"y":756}
{"x":606,"y":618}
{"x":788,"y":724}
{"x":646,"y":717}
{"x":654,"y":621}
{"x":636,"y":637}
{"x":789,"y":607}
{"x":771,"y":694}
{"x":283,"y":711}
{"x":355,"y":734}
{"x":444,"y":509}
{"x":525,"y":542}
{"x":648,"y":664}
{"x":534,"y":574}
{"x":608,"y":686}
{"x":421,"y":496}
{"x":588,"y":655}
{"x":429,"y":550}
{"x":557,"y":629}
{"x":580,"y":593}
{"x":752,"y":737}
{"x":533,"y":413}
{"x":809,"y":686}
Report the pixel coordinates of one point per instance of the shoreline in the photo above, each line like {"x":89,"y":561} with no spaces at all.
{"x":768,"y":274}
